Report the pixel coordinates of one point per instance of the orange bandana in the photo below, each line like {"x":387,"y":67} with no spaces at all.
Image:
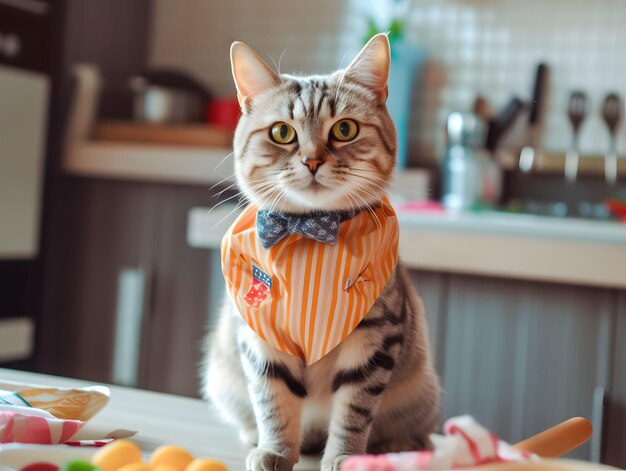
{"x":304,"y":297}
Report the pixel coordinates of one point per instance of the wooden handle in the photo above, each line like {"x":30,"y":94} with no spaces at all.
{"x":558,"y":440}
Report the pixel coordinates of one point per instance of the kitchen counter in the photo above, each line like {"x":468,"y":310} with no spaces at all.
{"x":159,"y":419}
{"x":519,"y":246}
{"x":149,"y":162}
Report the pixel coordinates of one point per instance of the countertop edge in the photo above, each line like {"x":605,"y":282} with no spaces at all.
{"x":474,"y":252}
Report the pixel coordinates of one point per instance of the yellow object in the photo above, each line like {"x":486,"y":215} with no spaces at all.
{"x":135,"y":467}
{"x":69,"y":404}
{"x":171,"y":455}
{"x":124,"y":455}
{"x":345,"y":130}
{"x":283,"y":133}
{"x":116,"y":455}
{"x":163,"y":467}
{"x":206,"y":465}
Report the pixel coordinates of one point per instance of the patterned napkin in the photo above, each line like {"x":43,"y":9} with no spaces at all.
{"x":465,"y":443}
{"x":50,"y":416}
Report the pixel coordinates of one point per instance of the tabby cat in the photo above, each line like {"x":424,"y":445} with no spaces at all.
{"x":322,"y":145}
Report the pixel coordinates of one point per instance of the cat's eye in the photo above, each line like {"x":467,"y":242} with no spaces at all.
{"x":344,"y":130}
{"x":283,"y":133}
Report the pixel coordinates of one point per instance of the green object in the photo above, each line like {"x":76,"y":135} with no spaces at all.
{"x":395,"y":31}
{"x":79,"y":465}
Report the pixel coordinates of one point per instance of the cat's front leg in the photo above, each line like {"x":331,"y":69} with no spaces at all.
{"x":276,"y":386}
{"x":364,"y":371}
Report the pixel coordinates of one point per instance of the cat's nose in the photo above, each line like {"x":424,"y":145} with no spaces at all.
{"x":313,"y":163}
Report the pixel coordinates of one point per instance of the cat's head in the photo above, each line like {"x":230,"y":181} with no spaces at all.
{"x":314,"y":143}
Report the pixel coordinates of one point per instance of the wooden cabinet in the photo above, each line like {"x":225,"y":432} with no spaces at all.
{"x":522,"y":356}
{"x":433,"y":288}
{"x":615,"y":417}
{"x":180,"y":296}
{"x":119,"y":229}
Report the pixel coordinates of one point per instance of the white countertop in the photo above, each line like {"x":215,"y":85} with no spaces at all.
{"x":160,"y":419}
{"x":149,"y":162}
{"x":518,"y":246}
{"x":167,"y":419}
{"x":513,"y":224}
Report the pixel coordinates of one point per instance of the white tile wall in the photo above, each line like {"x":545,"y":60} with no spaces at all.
{"x":489,"y":47}
{"x":196,"y":35}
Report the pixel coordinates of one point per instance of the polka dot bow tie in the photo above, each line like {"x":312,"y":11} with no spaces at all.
{"x":274,"y":226}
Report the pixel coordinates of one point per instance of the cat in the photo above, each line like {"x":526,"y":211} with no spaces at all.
{"x":322,"y":145}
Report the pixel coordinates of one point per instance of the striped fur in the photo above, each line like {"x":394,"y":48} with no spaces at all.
{"x":376,"y":391}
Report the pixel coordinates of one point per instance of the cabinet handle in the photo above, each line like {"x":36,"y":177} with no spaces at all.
{"x":597,"y":417}
{"x":131,"y":297}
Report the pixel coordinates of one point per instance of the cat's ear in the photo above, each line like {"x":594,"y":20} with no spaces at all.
{"x":371,"y":66}
{"x":252,"y":75}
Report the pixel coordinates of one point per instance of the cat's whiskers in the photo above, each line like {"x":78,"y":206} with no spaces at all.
{"x":232,"y":175}
{"x":392,"y":184}
{"x":236,"y":208}
{"x":266,"y":189}
{"x":266,"y":192}
{"x":354,"y":206}
{"x":223,"y":160}
{"x":373,"y":181}
{"x":376,"y":198}
{"x":277,"y":66}
{"x":281,"y":195}
{"x":280,"y":60}
{"x":219,"y":193}
{"x":343,"y":74}
{"x":369,"y":208}
{"x":240,"y":194}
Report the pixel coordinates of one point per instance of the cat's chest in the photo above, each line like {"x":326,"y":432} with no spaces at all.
{"x":318,"y":379}
{"x":350,"y":354}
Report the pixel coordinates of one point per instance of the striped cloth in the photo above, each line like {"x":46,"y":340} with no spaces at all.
{"x":304,"y":297}
{"x":465,"y":444}
{"x":29,"y":425}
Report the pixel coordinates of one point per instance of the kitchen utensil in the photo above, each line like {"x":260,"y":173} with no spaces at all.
{"x":558,"y":440}
{"x":499,"y":126}
{"x":470,"y":177}
{"x":533,"y":131}
{"x":612,"y":110}
{"x":482,"y":108}
{"x":167,"y":96}
{"x":576,"y":111}
{"x":223,"y":112}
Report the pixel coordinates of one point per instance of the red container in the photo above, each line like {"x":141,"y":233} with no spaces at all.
{"x":223,"y":112}
{"x":617,"y":207}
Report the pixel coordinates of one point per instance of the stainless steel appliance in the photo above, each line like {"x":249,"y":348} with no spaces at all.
{"x":470,"y":177}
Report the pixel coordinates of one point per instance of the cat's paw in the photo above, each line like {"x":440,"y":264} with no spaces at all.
{"x":333,"y":464}
{"x":265,"y":460}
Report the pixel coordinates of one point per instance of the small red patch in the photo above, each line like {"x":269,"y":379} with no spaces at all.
{"x":256,"y":294}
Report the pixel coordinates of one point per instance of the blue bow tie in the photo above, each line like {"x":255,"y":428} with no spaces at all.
{"x":274,"y":226}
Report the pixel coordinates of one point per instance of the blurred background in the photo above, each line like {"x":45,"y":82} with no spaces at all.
{"x":116,"y":122}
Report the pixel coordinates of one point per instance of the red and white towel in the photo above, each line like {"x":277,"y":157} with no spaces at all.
{"x":52,"y":416}
{"x":465,"y":443}
{"x":30,"y":425}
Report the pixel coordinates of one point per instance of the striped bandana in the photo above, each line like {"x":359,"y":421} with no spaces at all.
{"x":302,"y":296}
